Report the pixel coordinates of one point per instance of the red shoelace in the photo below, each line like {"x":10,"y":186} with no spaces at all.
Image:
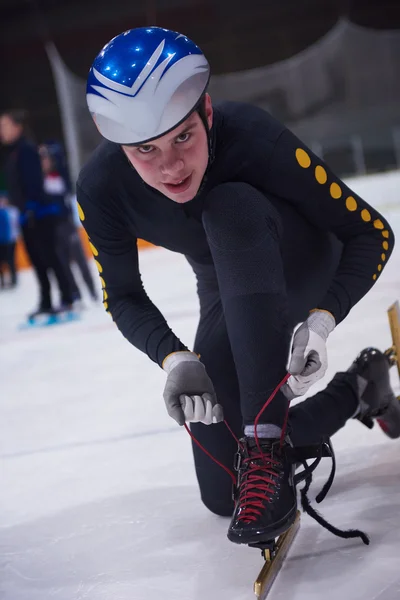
{"x":257,"y":487}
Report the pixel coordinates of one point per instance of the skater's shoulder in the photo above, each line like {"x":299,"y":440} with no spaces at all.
{"x":101,"y":168}
{"x":244,"y":121}
{"x":244,"y":137}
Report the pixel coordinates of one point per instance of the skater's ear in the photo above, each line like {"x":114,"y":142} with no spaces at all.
{"x":208,"y":110}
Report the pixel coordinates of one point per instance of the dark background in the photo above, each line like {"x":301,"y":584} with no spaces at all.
{"x":235,"y":35}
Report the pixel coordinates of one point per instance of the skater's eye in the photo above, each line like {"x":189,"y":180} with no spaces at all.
{"x":146,"y":149}
{"x":182,"y":137}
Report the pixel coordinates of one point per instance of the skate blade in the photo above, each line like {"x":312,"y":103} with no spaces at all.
{"x":273,"y":564}
{"x":393,"y":353}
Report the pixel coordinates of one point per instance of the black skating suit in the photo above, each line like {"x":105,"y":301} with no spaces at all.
{"x":273,"y":234}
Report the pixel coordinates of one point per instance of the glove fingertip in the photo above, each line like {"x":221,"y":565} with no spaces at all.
{"x":209,"y":397}
{"x":207,"y":420}
{"x":218,"y":413}
{"x":296,"y":366}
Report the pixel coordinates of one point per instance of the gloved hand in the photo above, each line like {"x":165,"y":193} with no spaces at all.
{"x":309,"y":359}
{"x":189,"y":393}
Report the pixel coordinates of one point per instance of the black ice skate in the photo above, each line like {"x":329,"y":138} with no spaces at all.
{"x":377,"y":401}
{"x":265,"y":494}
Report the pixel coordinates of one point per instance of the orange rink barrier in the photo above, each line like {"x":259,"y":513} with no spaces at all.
{"x":23,"y":262}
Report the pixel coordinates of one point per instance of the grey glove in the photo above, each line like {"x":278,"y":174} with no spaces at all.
{"x":309,"y":359}
{"x":189,"y":394}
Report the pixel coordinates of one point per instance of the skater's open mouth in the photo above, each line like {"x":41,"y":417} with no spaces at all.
{"x":180,"y":185}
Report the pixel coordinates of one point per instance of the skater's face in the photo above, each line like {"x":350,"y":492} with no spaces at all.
{"x":175,"y":163}
{"x":9,"y":130}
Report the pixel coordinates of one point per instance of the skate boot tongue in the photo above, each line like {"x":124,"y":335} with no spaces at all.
{"x":260,"y":454}
{"x":267,"y":443}
{"x":269,"y":447}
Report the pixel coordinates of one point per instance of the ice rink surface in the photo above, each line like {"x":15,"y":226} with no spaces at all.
{"x":98,"y":497}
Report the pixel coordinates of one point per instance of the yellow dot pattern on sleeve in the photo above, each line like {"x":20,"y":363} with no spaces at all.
{"x":351,"y":203}
{"x":105,"y":294}
{"x":93,"y":249}
{"x":378,"y":224}
{"x":335,"y":190}
{"x":303,"y":158}
{"x":100,"y":269}
{"x":366,"y":215}
{"x":385,"y":245}
{"x":80,"y":212}
{"x":320,"y":174}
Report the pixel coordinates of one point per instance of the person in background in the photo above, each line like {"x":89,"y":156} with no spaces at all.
{"x":39,"y":215}
{"x":57,"y":187}
{"x":9,"y":232}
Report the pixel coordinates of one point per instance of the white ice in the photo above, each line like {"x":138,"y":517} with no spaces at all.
{"x":98,"y":497}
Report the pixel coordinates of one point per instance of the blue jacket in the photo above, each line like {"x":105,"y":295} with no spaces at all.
{"x":5,"y":227}
{"x":24,"y":179}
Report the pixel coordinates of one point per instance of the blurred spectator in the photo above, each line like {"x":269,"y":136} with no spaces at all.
{"x":58,"y":189}
{"x":9,"y":231}
{"x":39,"y":215}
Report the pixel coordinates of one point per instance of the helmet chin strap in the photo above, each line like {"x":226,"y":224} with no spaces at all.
{"x":201,"y":109}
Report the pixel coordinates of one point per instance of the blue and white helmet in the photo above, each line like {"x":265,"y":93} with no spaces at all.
{"x":144,"y":83}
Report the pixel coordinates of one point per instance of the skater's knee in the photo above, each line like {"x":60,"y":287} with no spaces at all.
{"x":237,"y":215}
{"x":218,"y":507}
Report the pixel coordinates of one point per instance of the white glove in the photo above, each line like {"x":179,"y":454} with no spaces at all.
{"x":309,"y":359}
{"x":189,"y":393}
